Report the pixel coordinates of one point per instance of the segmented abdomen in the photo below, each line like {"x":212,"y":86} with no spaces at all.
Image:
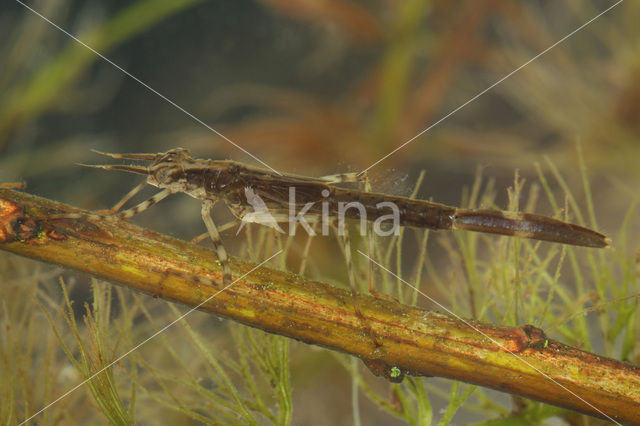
{"x":527,"y":225}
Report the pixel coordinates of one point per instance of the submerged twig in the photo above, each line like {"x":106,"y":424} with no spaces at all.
{"x":412,"y":340}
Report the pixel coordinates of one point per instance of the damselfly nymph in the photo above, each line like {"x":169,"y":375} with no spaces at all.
{"x":240,"y":186}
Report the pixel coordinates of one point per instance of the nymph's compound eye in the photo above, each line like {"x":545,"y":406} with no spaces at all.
{"x":175,"y":155}
{"x":182,"y":152}
{"x":168,"y":168}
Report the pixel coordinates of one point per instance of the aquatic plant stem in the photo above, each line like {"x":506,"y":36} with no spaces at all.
{"x":412,"y":341}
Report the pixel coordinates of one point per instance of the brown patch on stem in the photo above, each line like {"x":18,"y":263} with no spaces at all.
{"x":15,"y":225}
